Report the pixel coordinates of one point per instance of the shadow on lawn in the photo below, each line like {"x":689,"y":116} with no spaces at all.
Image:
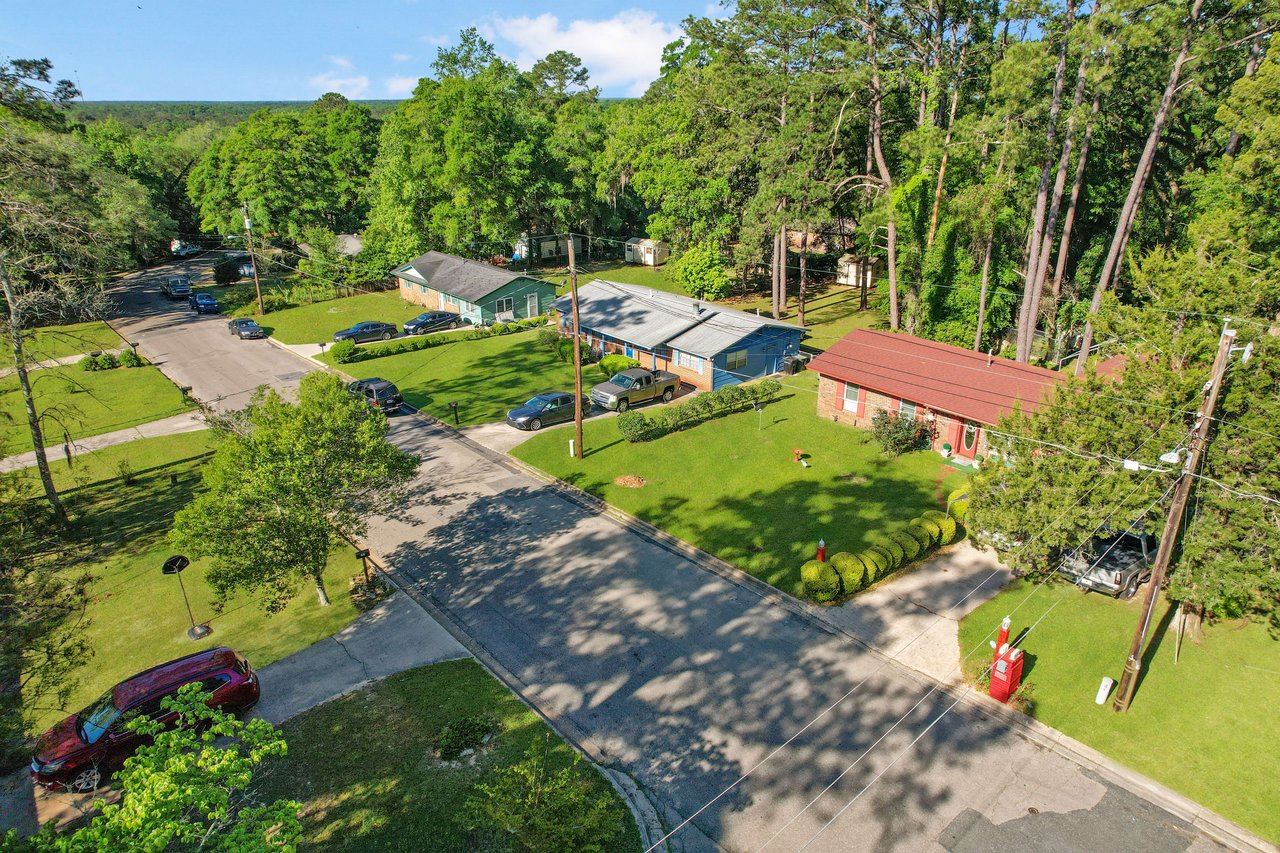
{"x":682,"y":679}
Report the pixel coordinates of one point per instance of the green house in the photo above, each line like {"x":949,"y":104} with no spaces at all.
{"x":480,"y":293}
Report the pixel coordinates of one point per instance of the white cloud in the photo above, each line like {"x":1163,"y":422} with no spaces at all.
{"x":718,"y":9}
{"x":434,"y":41}
{"x":341,"y":62}
{"x":353,"y":87}
{"x":401,"y":87}
{"x":400,"y":57}
{"x":622,"y":53}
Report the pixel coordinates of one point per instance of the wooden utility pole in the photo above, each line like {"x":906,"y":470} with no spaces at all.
{"x":253,"y":261}
{"x":577,"y":355}
{"x":1133,"y":665}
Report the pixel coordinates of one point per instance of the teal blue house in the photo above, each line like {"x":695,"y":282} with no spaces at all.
{"x":481,"y":294}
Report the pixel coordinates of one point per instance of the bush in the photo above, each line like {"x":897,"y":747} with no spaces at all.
{"x":959,"y":502}
{"x":634,"y":426}
{"x":466,"y":733}
{"x":88,"y":363}
{"x":346,"y":352}
{"x":613,"y":364}
{"x":107,"y":361}
{"x":732,"y":397}
{"x":770,"y":388}
{"x":547,"y":337}
{"x":129,"y":358}
{"x":821,"y":583}
{"x":853,"y":575}
{"x":701,"y":271}
{"x":910,"y":547}
{"x":877,"y":564}
{"x":899,"y":435}
{"x":931,"y":527}
{"x":226,"y":271}
{"x":699,"y":407}
{"x":893,"y":561}
{"x":945,"y":523}
{"x":920,"y":534}
{"x":564,"y":349}
{"x":895,"y":551}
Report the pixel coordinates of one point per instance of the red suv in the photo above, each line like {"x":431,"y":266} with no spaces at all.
{"x":80,"y":751}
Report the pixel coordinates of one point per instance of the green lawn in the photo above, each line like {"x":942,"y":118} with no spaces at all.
{"x":736,"y":491}
{"x":362,"y":765}
{"x":486,"y":377}
{"x":1205,"y":727}
{"x":81,"y":403}
{"x":139,"y":456}
{"x":52,"y":342}
{"x":311,"y":324}
{"x":654,"y":277}
{"x":830,"y":313}
{"x":136,"y":618}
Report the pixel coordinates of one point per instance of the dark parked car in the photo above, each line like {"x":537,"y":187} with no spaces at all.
{"x":362,"y":332}
{"x":203,"y":303}
{"x":549,"y":407}
{"x":178,"y":287}
{"x":380,"y":394}
{"x":245,"y":328}
{"x":79,"y":752}
{"x":431,"y":321}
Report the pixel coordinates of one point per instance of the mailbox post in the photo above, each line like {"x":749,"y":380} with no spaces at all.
{"x":1006,"y":673}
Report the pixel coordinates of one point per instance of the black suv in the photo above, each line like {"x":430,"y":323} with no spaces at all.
{"x":381,"y":395}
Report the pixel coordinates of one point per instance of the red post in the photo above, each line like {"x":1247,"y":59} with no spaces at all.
{"x":798,"y":452}
{"x":1003,"y":636}
{"x":822,"y":549}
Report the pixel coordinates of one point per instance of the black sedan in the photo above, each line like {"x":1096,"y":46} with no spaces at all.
{"x":245,"y":328}
{"x":431,"y":321}
{"x":549,"y":407}
{"x":362,"y":332}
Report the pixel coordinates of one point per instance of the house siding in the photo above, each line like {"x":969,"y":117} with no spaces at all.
{"x":485,"y":312}
{"x":947,"y":428}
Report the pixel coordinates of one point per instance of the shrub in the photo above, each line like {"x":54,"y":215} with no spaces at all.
{"x":613,"y":364}
{"x":853,"y":575}
{"x":226,"y":271}
{"x":564,"y":349}
{"x":547,"y":337}
{"x":129,"y":358}
{"x":959,"y":502}
{"x":699,"y":407}
{"x":895,"y":551}
{"x":107,"y":361}
{"x":899,"y":435}
{"x":931,"y":527}
{"x":891,"y":559}
{"x":921,"y":535}
{"x":346,"y":352}
{"x":634,"y":426}
{"x":701,"y":271}
{"x":945,"y":523}
{"x":877,"y":564}
{"x":124,"y":471}
{"x":821,"y":583}
{"x":463,"y":734}
{"x":910,"y":547}
{"x":770,"y":388}
{"x":89,"y":363}
{"x":732,"y":397}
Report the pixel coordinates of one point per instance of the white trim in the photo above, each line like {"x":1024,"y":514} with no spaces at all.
{"x":902,"y":409}
{"x":851,"y":405}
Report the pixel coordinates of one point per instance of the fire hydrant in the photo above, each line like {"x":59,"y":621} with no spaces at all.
{"x":822,"y":549}
{"x":798,"y":452}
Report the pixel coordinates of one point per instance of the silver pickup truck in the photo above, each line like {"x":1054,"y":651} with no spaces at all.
{"x":633,"y":386}
{"x":1116,"y":565}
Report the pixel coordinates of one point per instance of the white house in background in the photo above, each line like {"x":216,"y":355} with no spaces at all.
{"x":651,"y":253}
{"x":544,"y":248}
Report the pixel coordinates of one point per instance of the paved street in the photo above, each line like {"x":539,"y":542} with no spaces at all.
{"x":683,"y":679}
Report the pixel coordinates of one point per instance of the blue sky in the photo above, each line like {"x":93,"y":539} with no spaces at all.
{"x":270,"y":50}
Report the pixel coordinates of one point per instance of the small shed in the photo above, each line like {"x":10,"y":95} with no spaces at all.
{"x":651,"y":253}
{"x":546,"y":248}
{"x":855,"y":271}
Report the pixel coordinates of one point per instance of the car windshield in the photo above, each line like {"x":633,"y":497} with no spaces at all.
{"x":93,"y":721}
{"x":623,"y":381}
{"x":537,"y":404}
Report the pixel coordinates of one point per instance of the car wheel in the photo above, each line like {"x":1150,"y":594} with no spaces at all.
{"x":623,"y":405}
{"x":535,"y":424}
{"x":667,"y":395}
{"x":386,"y":336}
{"x":453,"y":325}
{"x":86,"y":779}
{"x":1131,"y":590}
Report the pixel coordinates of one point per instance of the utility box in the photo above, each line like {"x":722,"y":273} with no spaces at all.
{"x":1006,"y":673}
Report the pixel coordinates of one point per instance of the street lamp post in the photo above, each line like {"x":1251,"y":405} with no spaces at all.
{"x":174,"y":566}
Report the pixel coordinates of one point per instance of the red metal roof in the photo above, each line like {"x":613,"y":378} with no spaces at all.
{"x":940,"y":376}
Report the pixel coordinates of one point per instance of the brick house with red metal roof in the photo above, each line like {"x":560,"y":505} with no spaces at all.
{"x":958,"y":391}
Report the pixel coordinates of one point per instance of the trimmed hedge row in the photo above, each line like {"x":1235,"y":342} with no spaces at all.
{"x":886,"y":554}
{"x":107,"y":361}
{"x":347,"y":354}
{"x":637,"y":426}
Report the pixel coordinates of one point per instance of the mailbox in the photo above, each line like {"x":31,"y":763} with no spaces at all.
{"x":1006,"y":673}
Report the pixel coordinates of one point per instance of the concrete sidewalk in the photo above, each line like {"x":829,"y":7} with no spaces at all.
{"x":55,"y":362}
{"x":185,"y":422}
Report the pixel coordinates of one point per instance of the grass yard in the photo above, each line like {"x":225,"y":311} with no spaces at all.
{"x":311,"y":324}
{"x":84,"y":403}
{"x":1205,"y":727}
{"x":486,"y":377}
{"x":624,"y":273}
{"x":136,"y":618}
{"x":363,"y":769}
{"x":735,"y":490}
{"x":139,"y":457}
{"x":830,"y":313}
{"x":52,"y":342}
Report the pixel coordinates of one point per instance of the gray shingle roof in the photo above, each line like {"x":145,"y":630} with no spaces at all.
{"x":470,"y":281}
{"x":650,"y":318}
